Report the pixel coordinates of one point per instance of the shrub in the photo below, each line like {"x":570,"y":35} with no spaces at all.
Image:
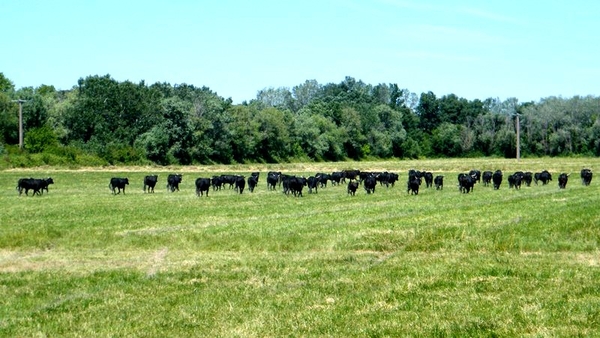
{"x":39,"y":139}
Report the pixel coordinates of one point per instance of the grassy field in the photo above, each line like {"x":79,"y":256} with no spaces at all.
{"x":79,"y":261}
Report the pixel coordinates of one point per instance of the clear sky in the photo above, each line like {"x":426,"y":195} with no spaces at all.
{"x":526,"y":49}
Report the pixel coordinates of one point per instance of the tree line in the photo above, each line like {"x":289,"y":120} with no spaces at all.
{"x":126,"y":122}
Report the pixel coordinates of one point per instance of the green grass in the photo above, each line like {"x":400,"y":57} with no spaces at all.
{"x":82,"y":262}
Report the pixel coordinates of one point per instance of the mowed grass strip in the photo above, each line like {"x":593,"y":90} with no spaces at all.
{"x":79,"y":261}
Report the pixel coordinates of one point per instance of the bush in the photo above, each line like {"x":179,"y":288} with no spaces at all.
{"x":91,"y":160}
{"x":69,"y":152}
{"x":155,"y":145}
{"x":410,"y":149}
{"x":119,"y":153}
{"x":39,"y":139}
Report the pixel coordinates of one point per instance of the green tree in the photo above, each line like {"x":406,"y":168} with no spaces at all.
{"x":170,"y":140}
{"x":245,"y":135}
{"x":319,"y":137}
{"x":9,"y":128}
{"x":485,"y":128}
{"x":35,"y":110}
{"x":446,"y":140}
{"x":595,"y":137}
{"x":273,"y":134}
{"x":59,"y":103}
{"x":391,"y":124}
{"x":428,"y":112}
{"x":410,"y":148}
{"x":276,"y":97}
{"x":308,"y":134}
{"x":106,"y":111}
{"x":305,"y":93}
{"x":6,"y":85}
{"x":505,"y":142}
{"x":356,"y":141}
{"x":382,"y":94}
{"x":40,"y":139}
{"x":155,"y":144}
{"x":209,"y":120}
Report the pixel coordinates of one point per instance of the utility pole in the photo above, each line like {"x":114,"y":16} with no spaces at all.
{"x":513,"y":110}
{"x":518,"y":138}
{"x":20,"y":122}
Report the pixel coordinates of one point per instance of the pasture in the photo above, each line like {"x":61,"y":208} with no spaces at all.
{"x":79,"y":261}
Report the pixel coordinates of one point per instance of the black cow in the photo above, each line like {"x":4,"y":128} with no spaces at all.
{"x":240,"y":184}
{"x":252,"y":182}
{"x":514,"y":180}
{"x":336,"y":177}
{"x":586,"y":176}
{"x":439,"y":182}
{"x":35,"y":184}
{"x":415,"y":174}
{"x":511,"y":181}
{"x":543,"y":176}
{"x":527,"y":177}
{"x":352,"y":186}
{"x":562,"y":180}
{"x":150,"y":182}
{"x":466,"y":183}
{"x":486,"y":177}
{"x":369,"y":183}
{"x":25,"y":184}
{"x":476,"y":175}
{"x":296,"y":184}
{"x":229,"y":179}
{"x":413,"y":184}
{"x":272,"y":180}
{"x":428,"y":179}
{"x":45,"y":183}
{"x":322,"y":179}
{"x":364,"y":174}
{"x":173,"y":181}
{"x":536,"y":177}
{"x":285,"y":182}
{"x":350,"y":174}
{"x":216,"y":182}
{"x":383,"y":178}
{"x":202,"y":186}
{"x":117,"y":183}
{"x":255,"y":174}
{"x":393,"y":178}
{"x":497,"y":179}
{"x":313,"y":183}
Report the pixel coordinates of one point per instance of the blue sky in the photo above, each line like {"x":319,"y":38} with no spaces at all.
{"x":474,"y":49}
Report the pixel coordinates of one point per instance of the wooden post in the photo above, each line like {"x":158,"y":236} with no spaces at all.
{"x":20,"y":124}
{"x":20,"y":102}
{"x":518,"y":139}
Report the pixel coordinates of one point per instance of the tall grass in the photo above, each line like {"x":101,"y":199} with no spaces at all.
{"x":79,"y":261}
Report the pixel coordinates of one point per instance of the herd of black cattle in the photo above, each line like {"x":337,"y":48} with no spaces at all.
{"x":294,"y":184}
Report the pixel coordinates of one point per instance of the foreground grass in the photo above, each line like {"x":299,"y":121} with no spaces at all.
{"x":79,"y":261}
